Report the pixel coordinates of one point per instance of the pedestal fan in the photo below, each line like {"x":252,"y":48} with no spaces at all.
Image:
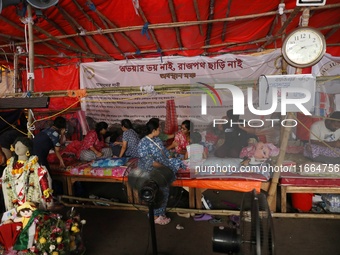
{"x":255,"y":236}
{"x":149,"y":186}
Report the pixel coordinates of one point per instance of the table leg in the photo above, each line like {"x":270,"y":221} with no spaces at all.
{"x":283,"y":199}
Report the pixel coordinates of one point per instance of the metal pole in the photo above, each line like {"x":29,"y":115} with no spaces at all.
{"x":30,"y":74}
{"x":15,"y":80}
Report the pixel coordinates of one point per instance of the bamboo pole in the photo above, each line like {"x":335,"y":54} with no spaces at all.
{"x":67,"y":46}
{"x":194,"y":23}
{"x":83,"y":33}
{"x":105,"y":20}
{"x":125,"y":206}
{"x":283,"y":27}
{"x":62,"y":31}
{"x":109,"y":39}
{"x":307,"y":216}
{"x":176,"y":49}
{"x":225,"y":23}
{"x":276,"y":176}
{"x":16,"y":26}
{"x":198,"y":16}
{"x":23,"y":43}
{"x":145,"y":20}
{"x":12,"y":37}
{"x":231,"y":44}
{"x":174,"y":19}
{"x":71,"y":21}
{"x":169,"y":88}
{"x":209,"y":26}
{"x":181,"y":24}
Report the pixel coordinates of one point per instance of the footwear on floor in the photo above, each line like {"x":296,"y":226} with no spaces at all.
{"x":162,"y":220}
{"x":203,"y":217}
{"x":185,"y":215}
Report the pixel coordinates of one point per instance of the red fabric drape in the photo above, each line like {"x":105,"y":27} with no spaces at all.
{"x":171,"y":125}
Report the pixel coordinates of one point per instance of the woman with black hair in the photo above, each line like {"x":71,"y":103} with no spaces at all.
{"x":130,"y":140}
{"x":182,"y":139}
{"x":93,"y":146}
{"x":153,"y":155}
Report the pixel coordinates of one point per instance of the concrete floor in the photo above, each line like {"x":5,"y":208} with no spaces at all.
{"x":128,"y":232}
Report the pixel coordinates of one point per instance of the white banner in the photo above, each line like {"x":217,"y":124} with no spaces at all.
{"x":328,"y":66}
{"x":183,"y":71}
{"x":324,"y":103}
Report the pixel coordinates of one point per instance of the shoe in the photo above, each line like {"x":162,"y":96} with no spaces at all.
{"x":215,"y":220}
{"x":162,"y":220}
{"x":185,"y":215}
{"x":203,"y":217}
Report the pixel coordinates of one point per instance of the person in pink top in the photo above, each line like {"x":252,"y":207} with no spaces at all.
{"x":93,"y":146}
{"x":182,"y":138}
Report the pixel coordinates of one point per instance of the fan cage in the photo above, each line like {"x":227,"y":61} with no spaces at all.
{"x":256,"y":226}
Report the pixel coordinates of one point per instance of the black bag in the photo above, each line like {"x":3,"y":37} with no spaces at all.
{"x":235,"y":140}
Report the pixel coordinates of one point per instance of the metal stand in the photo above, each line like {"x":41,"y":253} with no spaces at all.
{"x":152,"y":229}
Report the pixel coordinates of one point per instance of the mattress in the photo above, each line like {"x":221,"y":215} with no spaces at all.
{"x":211,"y":168}
{"x":296,"y":179}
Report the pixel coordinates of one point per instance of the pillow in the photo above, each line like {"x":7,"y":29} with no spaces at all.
{"x":109,"y":162}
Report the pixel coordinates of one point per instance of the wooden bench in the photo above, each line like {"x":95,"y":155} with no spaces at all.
{"x":300,"y":189}
{"x":195,"y":187}
{"x":295,"y":183}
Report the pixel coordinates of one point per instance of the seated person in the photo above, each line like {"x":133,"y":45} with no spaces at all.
{"x":153,"y":155}
{"x":116,"y":137}
{"x":182,"y":138}
{"x":324,"y":143}
{"x":130,"y":140}
{"x":93,"y":146}
{"x":235,"y":138}
{"x":196,"y":152}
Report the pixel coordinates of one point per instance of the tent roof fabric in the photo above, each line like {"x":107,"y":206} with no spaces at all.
{"x":74,"y":31}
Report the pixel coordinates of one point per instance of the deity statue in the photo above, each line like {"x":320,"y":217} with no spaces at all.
{"x":24,"y":180}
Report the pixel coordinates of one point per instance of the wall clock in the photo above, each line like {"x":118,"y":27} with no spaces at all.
{"x":304,"y":47}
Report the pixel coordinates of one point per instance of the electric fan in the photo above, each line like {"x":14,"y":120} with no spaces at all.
{"x":39,"y":4}
{"x":255,"y":236}
{"x":149,"y":185}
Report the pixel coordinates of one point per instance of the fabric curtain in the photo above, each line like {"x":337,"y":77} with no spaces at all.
{"x":171,"y":125}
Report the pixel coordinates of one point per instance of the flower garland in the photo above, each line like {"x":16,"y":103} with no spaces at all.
{"x":28,"y":174}
{"x":55,"y":236}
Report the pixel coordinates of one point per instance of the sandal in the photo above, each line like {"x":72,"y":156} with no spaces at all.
{"x":162,"y":220}
{"x":203,"y":217}
{"x":215,"y":220}
{"x":185,"y":215}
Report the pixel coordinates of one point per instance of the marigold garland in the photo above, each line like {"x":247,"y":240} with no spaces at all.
{"x":27,"y":173}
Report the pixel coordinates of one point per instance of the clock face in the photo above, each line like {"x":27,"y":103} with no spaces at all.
{"x":304,"y":47}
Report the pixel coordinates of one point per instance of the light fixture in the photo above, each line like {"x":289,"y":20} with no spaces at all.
{"x":310,"y":2}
